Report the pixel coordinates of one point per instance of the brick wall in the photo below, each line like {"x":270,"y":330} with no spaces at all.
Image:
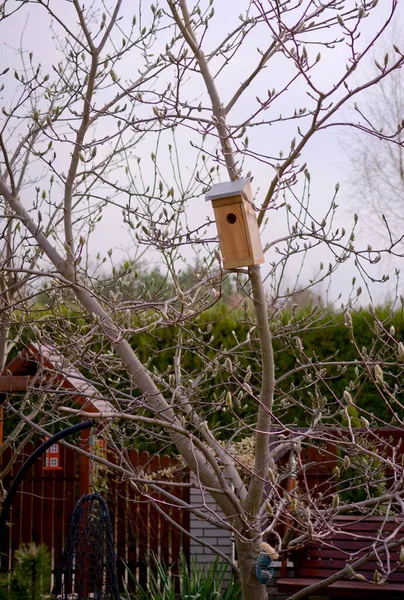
{"x":216,"y":537}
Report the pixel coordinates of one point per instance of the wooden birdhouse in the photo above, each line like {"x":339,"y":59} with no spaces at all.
{"x":239,"y":238}
{"x":52,"y":458}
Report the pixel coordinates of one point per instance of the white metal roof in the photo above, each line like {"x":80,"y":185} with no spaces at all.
{"x":227,"y":189}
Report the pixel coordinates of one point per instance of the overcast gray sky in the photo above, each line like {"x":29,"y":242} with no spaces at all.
{"x":324,"y":154}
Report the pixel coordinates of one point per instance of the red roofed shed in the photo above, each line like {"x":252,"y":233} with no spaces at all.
{"x":42,"y":366}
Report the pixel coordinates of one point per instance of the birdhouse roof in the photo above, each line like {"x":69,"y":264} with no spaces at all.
{"x":227,"y":189}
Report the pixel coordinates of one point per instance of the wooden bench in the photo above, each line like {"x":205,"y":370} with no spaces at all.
{"x":352,"y":539}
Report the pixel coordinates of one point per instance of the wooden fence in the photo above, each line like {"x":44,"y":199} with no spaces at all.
{"x":43,"y":506}
{"x":320,"y":459}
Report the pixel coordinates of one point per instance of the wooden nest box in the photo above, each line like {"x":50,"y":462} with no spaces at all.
{"x":239,"y":238}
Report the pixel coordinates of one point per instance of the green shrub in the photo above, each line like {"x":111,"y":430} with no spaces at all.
{"x":323,"y":334}
{"x":31,"y":577}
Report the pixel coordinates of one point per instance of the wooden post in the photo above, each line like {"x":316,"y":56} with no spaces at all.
{"x":14,"y":383}
{"x":291,"y":484}
{"x":85,"y":467}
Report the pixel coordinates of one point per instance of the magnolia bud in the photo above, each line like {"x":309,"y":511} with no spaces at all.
{"x":348,"y":397}
{"x":348,"y":320}
{"x":379,"y":375}
{"x":247,"y":388}
{"x":351,"y":572}
{"x":228,"y":365}
{"x":271,"y":476}
{"x":269,"y":509}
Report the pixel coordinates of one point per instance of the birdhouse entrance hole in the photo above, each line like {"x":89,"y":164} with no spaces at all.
{"x":231,"y":218}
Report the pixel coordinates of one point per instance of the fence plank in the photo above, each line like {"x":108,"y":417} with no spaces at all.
{"x":165,"y":527}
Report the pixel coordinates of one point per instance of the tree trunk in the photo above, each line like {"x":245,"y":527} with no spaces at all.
{"x":250,"y":586}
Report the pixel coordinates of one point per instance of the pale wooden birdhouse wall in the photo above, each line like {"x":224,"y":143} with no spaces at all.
{"x":239,"y":238}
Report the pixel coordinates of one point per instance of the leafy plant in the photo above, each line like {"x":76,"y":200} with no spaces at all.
{"x":192,"y":582}
{"x":31,"y":577}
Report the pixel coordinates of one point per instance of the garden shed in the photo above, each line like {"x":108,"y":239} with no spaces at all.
{"x":41,"y":367}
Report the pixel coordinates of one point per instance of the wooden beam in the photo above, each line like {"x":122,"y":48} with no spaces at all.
{"x":85,"y":466}
{"x":14,"y":383}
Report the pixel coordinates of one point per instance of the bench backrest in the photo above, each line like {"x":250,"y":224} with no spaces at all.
{"x":352,"y":538}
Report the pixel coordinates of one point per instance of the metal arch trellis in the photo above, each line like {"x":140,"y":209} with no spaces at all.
{"x":87,"y":566}
{"x":88,"y":563}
